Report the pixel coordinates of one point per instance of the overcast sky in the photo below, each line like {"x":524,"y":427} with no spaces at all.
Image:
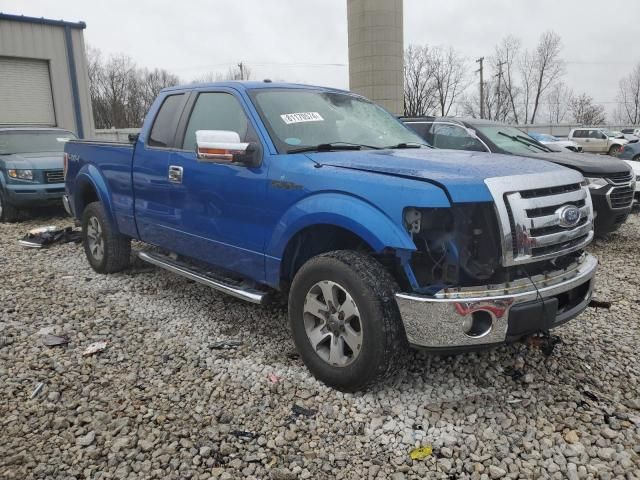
{"x":306,"y":40}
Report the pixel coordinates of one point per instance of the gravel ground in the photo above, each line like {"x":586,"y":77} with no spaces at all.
{"x":159,"y":402}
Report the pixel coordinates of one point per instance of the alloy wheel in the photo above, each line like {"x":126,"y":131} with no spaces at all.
{"x":332,"y":323}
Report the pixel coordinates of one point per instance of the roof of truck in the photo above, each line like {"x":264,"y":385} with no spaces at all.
{"x":252,"y":84}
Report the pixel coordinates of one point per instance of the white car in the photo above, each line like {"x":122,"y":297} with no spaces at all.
{"x":631,"y":131}
{"x":554,"y":143}
{"x":636,"y":171}
{"x":597,"y":140}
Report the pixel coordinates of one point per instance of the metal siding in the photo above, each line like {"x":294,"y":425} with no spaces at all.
{"x":25,"y":92}
{"x":46,"y":42}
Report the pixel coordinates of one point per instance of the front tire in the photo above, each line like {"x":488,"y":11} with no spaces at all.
{"x":614,"y":150}
{"x":106,"y":250}
{"x":345,"y":321}
{"x":8,"y":212}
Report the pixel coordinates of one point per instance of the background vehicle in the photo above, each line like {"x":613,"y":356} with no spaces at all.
{"x":635,"y":166}
{"x":376,"y":240}
{"x":30,"y":168}
{"x":610,"y":181}
{"x":631,"y":131}
{"x":631,"y":151}
{"x":597,"y":140}
{"x":554,"y":143}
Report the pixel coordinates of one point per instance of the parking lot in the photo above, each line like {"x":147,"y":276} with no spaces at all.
{"x":161,"y":401}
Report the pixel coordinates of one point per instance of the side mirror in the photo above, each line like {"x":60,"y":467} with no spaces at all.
{"x":220,"y":146}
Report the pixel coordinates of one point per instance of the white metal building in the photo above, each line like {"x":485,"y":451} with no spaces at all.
{"x":43,"y":74}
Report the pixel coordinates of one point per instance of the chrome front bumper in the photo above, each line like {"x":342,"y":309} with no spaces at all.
{"x":449,"y":318}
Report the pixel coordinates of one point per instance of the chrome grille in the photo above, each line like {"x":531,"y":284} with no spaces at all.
{"x":54,"y":176}
{"x":529,"y":210}
{"x":621,"y":177}
{"x":621,"y":197}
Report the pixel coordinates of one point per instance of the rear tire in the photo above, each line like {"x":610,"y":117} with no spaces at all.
{"x":8,"y":212}
{"x":361,"y":322}
{"x":106,"y":250}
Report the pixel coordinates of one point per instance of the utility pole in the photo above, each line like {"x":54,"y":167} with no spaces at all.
{"x":481,"y":70}
{"x":498,"y":92}
{"x":241,"y":67}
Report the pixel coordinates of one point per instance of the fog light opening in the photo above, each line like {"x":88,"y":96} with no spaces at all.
{"x":478,"y":324}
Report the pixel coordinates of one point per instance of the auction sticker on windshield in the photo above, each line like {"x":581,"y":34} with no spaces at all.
{"x":300,"y":117}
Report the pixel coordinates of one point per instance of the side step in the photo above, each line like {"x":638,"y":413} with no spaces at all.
{"x":227,"y":286}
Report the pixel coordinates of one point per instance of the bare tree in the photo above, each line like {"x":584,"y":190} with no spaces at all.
{"x":557,"y":101}
{"x":585,"y":111}
{"x":121,"y":93}
{"x":629,"y":98}
{"x":449,"y":76}
{"x":507,"y":52}
{"x":546,"y":66}
{"x":233,"y":73}
{"x":419,"y":87}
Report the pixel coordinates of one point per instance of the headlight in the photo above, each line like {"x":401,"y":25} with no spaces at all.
{"x":21,"y":174}
{"x":596,"y":183}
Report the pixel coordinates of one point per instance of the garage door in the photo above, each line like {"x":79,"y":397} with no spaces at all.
{"x":25,"y":92}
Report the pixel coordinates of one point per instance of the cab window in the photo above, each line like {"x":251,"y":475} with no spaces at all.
{"x":166,"y":121}
{"x":217,"y":111}
{"x":454,"y":137}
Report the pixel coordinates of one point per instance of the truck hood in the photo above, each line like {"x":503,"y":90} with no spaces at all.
{"x":461,"y":174}
{"x":586,"y":163}
{"x":33,"y":161}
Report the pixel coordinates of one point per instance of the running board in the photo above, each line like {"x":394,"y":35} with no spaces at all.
{"x":240,"y":291}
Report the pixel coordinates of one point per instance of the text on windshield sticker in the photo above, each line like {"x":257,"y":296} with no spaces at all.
{"x":300,"y":117}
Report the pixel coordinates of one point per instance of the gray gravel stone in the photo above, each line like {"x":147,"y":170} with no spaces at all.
{"x":159,"y":403}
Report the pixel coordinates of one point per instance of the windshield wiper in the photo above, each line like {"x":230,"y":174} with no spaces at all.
{"x":524,"y":141}
{"x":327,"y":147}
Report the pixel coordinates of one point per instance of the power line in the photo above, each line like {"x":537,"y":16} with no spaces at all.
{"x":260,"y":64}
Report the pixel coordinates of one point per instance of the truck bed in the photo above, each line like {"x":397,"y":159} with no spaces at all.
{"x":113,"y":162}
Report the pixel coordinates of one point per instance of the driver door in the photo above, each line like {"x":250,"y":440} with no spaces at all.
{"x":219,"y":206}
{"x":596,"y":142}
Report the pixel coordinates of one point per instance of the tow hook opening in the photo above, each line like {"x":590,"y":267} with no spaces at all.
{"x":478,"y":324}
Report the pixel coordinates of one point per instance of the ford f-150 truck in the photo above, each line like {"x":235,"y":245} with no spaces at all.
{"x":377,"y":240}
{"x":30,"y":168}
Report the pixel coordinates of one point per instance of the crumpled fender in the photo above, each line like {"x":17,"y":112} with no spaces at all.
{"x":341,"y":210}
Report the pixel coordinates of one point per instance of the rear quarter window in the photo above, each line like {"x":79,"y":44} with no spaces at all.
{"x":164,"y":126}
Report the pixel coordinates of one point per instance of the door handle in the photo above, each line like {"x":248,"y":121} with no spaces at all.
{"x":175,"y":174}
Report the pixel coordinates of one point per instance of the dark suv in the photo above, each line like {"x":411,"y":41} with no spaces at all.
{"x":611,"y":181}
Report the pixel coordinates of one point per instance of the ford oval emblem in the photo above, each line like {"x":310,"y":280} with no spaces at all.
{"x":568,"y":216}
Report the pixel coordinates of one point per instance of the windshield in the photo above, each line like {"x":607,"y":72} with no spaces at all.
{"x":298,"y":118}
{"x":511,"y":139}
{"x":33,"y":142}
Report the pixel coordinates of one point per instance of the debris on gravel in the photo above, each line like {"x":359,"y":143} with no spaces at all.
{"x":167,"y":400}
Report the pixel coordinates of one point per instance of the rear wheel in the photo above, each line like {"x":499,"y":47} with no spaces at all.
{"x":8,"y":212}
{"x":614,"y":150}
{"x":106,"y":250}
{"x":345,"y":320}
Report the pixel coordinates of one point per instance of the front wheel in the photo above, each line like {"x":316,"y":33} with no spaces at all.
{"x":614,"y":150}
{"x":106,"y":250}
{"x":345,"y":320}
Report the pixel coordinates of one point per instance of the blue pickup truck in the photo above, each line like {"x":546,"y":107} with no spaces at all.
{"x":265,"y":190}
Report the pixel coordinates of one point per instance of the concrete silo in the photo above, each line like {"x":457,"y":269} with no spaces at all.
{"x":376,"y":51}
